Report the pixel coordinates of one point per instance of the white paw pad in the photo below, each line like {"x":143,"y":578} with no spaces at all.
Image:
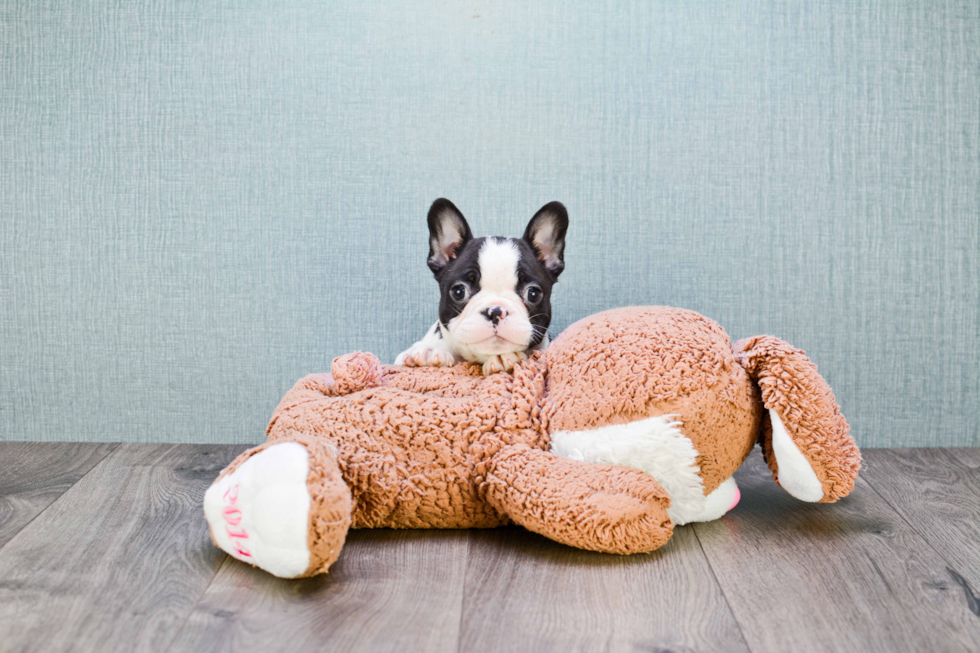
{"x":260,"y":513}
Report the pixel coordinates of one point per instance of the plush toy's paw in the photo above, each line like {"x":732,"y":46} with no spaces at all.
{"x":721,"y":500}
{"x":423,"y":354}
{"x":606,"y":508}
{"x":259,"y":513}
{"x":355,"y":372}
{"x":282,"y":507}
{"x":503,"y":362}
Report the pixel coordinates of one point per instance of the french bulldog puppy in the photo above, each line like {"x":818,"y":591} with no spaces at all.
{"x":495,"y":304}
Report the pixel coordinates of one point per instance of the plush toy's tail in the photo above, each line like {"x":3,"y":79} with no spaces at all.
{"x":805,"y":439}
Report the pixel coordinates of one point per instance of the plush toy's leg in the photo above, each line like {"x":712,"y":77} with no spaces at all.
{"x":805,"y":440}
{"x":604,"y":508}
{"x":655,"y":445}
{"x":283,"y":507}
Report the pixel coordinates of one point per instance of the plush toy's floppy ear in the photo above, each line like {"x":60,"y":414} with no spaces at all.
{"x":545,"y":233}
{"x":448,"y":232}
{"x":806,"y":441}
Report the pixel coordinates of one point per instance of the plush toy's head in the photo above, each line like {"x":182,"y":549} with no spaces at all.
{"x":629,"y":364}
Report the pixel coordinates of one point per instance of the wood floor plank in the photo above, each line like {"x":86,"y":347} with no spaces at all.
{"x":527,"y":593}
{"x":847,"y":576}
{"x":389,"y":591}
{"x":937,"y":491}
{"x":34,"y":474}
{"x":118,"y":561}
{"x":969,"y":456}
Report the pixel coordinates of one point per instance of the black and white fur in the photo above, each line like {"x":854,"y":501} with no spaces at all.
{"x":496,"y":292}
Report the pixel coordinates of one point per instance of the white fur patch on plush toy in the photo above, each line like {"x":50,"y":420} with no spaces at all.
{"x":654,"y":445}
{"x":796,"y":475}
{"x":260,"y":512}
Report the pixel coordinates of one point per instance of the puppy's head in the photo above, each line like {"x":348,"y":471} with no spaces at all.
{"x":496,"y":292}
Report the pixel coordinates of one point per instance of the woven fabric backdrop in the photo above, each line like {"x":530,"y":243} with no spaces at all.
{"x":202,"y":202}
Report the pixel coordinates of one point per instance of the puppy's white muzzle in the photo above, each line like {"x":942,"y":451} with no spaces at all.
{"x":491,"y":324}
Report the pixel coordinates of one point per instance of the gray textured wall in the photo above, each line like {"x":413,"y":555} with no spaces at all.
{"x":202,"y":202}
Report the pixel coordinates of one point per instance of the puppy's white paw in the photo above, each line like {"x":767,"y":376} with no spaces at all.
{"x":511,"y":359}
{"x":493,"y":365}
{"x":424,"y":355}
{"x":503,"y":362}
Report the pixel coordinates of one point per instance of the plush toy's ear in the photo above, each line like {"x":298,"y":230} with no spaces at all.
{"x":448,"y":232}
{"x":545,"y":233}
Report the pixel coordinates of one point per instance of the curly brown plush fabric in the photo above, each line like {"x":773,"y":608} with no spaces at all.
{"x":628,"y":364}
{"x":618,"y":510}
{"x":415,"y":449}
{"x":400,"y":447}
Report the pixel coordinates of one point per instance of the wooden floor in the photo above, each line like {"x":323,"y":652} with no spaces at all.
{"x":104,"y":547}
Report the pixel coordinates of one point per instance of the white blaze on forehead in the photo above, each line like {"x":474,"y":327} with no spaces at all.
{"x":498,"y":266}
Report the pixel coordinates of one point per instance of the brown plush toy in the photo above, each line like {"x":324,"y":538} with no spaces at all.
{"x":632,"y":421}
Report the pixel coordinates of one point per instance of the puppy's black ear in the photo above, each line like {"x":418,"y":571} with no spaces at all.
{"x":545,"y":234}
{"x":448,"y":232}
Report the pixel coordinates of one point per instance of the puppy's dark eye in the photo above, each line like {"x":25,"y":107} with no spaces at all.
{"x":533,"y":294}
{"x":458,"y":292}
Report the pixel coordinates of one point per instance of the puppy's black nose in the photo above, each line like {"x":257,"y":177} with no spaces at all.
{"x":495,"y":314}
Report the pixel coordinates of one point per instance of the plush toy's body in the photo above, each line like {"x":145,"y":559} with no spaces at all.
{"x":632,"y":421}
